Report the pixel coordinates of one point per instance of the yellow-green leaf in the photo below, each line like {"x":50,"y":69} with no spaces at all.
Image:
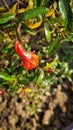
{"x":2,"y":9}
{"x":12,"y":10}
{"x":30,"y":6}
{"x":47,"y":31}
{"x":6,"y":18}
{"x":40,"y":78}
{"x":51,"y":64}
{"x":50,"y":13}
{"x":6,"y":77}
{"x":32,"y":25}
{"x":27,"y":90}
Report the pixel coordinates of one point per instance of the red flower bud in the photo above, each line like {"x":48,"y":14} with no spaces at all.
{"x":1,"y":92}
{"x":29,"y":59}
{"x":50,"y":70}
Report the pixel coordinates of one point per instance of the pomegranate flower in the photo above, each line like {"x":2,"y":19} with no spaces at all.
{"x":29,"y":59}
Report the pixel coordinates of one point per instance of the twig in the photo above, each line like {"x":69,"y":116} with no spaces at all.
{"x":20,"y":2}
{"x":5,"y":4}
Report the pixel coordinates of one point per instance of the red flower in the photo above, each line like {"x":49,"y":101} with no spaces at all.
{"x":29,"y":59}
{"x":50,"y":70}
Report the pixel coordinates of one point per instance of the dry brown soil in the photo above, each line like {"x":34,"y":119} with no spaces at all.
{"x":56,"y":110}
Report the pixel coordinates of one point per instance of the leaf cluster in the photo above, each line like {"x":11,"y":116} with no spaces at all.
{"x":55,"y":19}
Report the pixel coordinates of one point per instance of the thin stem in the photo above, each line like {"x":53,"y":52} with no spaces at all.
{"x":5,"y":4}
{"x":19,"y":2}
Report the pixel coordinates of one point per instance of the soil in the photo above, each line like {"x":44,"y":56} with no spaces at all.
{"x":56,"y":110}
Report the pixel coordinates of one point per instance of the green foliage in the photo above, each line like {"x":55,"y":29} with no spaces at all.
{"x":6,"y":77}
{"x":40,"y":2}
{"x":57,"y":26}
{"x":6,"y":18}
{"x":67,"y":14}
{"x":40,"y":78}
{"x":28,"y":30}
{"x":32,"y":13}
{"x":47,"y":32}
{"x":54,"y":46}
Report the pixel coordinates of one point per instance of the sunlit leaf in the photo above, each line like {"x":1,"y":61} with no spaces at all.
{"x":10,"y":46}
{"x":51,"y":64}
{"x":50,"y":12}
{"x":32,"y":13}
{"x":6,"y":77}
{"x":30,"y":6}
{"x":55,"y":5}
{"x":40,"y":78}
{"x":33,"y":33}
{"x":32,"y":25}
{"x":6,"y":18}
{"x":19,"y":90}
{"x":22,"y":10}
{"x":47,"y":31}
{"x":66,"y":13}
{"x":12,"y":10}
{"x":27,"y":90}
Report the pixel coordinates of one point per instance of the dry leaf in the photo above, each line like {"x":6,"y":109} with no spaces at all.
{"x":12,"y":10}
{"x":50,"y":13}
{"x":27,"y":90}
{"x":32,"y":25}
{"x":30,"y":6}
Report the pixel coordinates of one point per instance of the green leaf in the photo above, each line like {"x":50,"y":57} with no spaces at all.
{"x":37,"y":3}
{"x":54,"y":20}
{"x":47,"y":32}
{"x":40,"y":78}
{"x":6,"y":77}
{"x":33,"y":33}
{"x":66,"y":12}
{"x":54,"y":46}
{"x":41,"y":2}
{"x":6,"y":18}
{"x":33,"y":13}
{"x":9,"y":24}
{"x":44,"y":2}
